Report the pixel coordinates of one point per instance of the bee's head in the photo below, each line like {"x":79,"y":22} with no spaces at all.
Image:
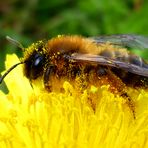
{"x":34,"y":60}
{"x":34,"y":65}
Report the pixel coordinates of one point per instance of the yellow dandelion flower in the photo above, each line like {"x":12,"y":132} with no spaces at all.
{"x":34,"y":118}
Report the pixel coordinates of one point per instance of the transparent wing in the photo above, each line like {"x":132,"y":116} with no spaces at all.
{"x":143,"y":71}
{"x":131,"y":41}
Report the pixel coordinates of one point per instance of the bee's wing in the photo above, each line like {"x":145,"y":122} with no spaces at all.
{"x":143,"y":71}
{"x":131,"y":41}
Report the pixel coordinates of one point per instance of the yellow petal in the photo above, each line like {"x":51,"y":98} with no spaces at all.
{"x":36,"y":118}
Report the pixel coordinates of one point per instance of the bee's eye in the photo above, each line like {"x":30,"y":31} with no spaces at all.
{"x":34,"y":66}
{"x":38,"y":61}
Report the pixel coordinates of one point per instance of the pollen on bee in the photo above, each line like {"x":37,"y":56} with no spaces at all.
{"x":59,"y":59}
{"x":60,"y":36}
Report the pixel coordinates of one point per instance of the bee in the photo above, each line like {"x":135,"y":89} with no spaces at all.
{"x":87,"y":61}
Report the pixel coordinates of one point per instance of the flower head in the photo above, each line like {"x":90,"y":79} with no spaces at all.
{"x":32,"y":117}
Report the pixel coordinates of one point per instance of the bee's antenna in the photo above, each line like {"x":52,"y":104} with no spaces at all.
{"x":9,"y":70}
{"x":15,"y":42}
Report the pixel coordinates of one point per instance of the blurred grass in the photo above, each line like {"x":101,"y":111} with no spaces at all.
{"x":30,"y":20}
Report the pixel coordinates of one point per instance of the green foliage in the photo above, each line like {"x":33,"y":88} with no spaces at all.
{"x":30,"y":20}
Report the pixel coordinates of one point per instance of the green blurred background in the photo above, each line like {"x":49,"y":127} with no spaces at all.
{"x":31,"y":20}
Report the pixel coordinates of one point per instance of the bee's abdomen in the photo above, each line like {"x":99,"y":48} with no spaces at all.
{"x":130,"y":79}
{"x":124,"y":56}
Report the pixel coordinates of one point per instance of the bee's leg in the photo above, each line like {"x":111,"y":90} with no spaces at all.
{"x":49,"y":72}
{"x":130,"y":103}
{"x":118,"y":87}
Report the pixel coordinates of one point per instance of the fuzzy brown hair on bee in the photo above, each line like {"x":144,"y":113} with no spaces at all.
{"x":69,"y":56}
{"x":87,"y":61}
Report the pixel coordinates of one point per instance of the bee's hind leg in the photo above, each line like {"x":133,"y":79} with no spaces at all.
{"x":117,"y":86}
{"x":130,"y":103}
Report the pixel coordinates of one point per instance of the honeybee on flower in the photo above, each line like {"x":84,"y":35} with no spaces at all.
{"x":96,"y":61}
